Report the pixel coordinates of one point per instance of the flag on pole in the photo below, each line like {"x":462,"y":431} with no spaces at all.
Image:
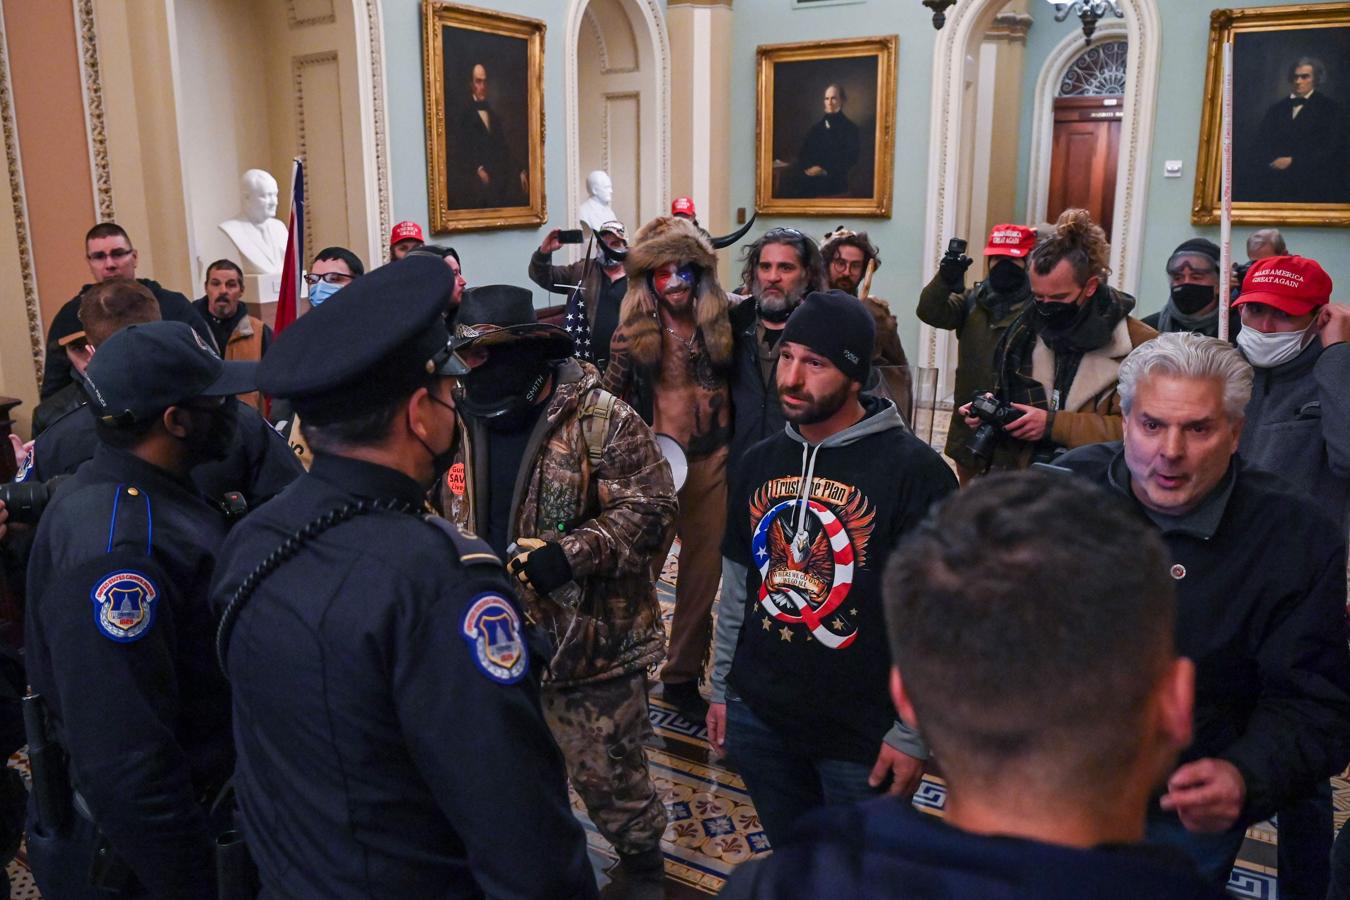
{"x":288,"y":300}
{"x":578,"y":326}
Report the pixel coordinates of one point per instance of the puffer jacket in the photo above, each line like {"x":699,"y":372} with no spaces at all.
{"x":610,"y":520}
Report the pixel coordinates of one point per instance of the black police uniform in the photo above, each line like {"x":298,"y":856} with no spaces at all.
{"x":390,"y":737}
{"x":258,"y":462}
{"x":118,"y":640}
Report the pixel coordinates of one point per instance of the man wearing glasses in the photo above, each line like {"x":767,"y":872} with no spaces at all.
{"x":109,"y":253}
{"x":332,"y":270}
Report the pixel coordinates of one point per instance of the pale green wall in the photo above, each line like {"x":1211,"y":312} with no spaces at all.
{"x":503,"y":255}
{"x":1176,"y":135}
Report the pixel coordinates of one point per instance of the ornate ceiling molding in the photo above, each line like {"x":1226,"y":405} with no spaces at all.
{"x":297,"y":19}
{"x":14,"y":165}
{"x":91,"y":81}
{"x":298,"y":66}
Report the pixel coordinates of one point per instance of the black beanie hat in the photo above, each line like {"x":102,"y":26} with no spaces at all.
{"x":838,"y":327}
{"x":1199,"y":247}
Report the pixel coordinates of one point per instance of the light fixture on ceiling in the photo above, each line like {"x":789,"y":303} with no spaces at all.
{"x":939,"y":8}
{"x":1089,"y":11}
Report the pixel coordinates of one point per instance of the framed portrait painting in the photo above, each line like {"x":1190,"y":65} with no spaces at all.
{"x":1291,"y":116}
{"x":483,"y":76}
{"x":825,"y":138}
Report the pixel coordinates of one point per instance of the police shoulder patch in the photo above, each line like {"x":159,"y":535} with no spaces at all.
{"x":492,"y":628}
{"x":124,"y":605}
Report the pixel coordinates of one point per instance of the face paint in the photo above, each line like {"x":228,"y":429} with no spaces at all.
{"x":666,"y":281}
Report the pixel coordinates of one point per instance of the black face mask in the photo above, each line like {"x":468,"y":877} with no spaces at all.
{"x":504,"y":390}
{"x":1056,"y":316}
{"x":1189,"y":299}
{"x":441,"y":462}
{"x":1007,"y":277}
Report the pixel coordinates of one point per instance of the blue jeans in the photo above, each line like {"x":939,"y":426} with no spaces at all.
{"x":1213,"y":854}
{"x":784,"y":782}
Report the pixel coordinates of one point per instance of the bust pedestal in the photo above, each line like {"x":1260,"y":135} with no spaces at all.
{"x":261,"y":292}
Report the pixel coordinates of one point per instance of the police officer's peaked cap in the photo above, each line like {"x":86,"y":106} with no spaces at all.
{"x":142,"y":370}
{"x":384,"y":331}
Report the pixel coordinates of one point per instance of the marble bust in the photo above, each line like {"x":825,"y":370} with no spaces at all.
{"x":595,"y":209}
{"x":256,"y":233}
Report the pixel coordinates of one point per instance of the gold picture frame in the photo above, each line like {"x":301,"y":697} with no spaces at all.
{"x":803,"y":150}
{"x":483,"y":80}
{"x":1290,"y":187}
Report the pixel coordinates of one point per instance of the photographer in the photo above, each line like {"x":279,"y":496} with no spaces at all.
{"x":601,"y":277}
{"x":1057,"y":362}
{"x":979,"y":316}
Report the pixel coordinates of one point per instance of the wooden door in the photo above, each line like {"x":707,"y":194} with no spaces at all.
{"x":1084,"y":156}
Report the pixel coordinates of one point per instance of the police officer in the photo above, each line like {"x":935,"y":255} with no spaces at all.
{"x":389,"y":732}
{"x":250,"y":458}
{"x":119,"y":633}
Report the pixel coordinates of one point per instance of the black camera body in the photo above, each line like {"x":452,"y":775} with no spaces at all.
{"x":26,"y":500}
{"x":994,"y":416}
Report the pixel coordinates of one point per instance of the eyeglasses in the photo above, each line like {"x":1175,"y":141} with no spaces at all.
{"x":783,"y":231}
{"x":115,"y":255}
{"x":329,"y":277}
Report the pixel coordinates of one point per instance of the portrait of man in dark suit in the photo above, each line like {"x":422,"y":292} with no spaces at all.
{"x":483,"y":171}
{"x":1298,"y":151}
{"x":828,"y":152}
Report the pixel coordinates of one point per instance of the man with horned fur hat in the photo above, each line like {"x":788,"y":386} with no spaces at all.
{"x":669,"y":359}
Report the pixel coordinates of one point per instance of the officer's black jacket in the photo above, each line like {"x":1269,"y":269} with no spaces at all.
{"x":376,"y":757}
{"x":144,"y":715}
{"x":258,"y":463}
{"x":1261,"y":612}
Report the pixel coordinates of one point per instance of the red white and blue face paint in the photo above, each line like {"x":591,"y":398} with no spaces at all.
{"x":671,"y":278}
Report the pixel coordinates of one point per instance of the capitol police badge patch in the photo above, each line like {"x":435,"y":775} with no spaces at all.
{"x":124,"y":605}
{"x":492,"y":629}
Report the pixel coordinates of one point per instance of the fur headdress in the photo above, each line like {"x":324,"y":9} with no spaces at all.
{"x":669,"y":239}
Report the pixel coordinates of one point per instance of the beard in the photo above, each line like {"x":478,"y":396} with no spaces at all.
{"x":846,"y":284}
{"x":778,"y":306}
{"x":814,"y":408}
{"x":678,"y":303}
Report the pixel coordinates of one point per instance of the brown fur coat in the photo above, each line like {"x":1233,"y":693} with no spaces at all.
{"x":669,"y":239}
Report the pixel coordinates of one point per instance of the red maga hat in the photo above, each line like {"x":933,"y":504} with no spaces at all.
{"x":683,"y":206}
{"x":1011,"y":240}
{"x":1292,"y":284}
{"x":405,"y":230}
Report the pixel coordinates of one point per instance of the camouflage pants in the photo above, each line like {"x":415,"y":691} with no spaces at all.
{"x":601,"y":728}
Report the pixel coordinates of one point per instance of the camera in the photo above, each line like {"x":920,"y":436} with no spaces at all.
{"x":956,"y":248}
{"x":995,"y":415}
{"x":952,"y":267}
{"x":26,"y":500}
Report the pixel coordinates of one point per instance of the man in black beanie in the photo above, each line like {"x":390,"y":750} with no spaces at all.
{"x":800,"y":650}
{"x":1193,"y":302}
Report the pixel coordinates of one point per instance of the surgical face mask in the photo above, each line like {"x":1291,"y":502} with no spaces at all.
{"x":1266,"y":351}
{"x":321,"y":291}
{"x":1189,"y":298}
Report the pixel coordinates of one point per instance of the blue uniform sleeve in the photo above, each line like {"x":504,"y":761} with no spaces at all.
{"x":108,"y":626}
{"x":468,"y":706}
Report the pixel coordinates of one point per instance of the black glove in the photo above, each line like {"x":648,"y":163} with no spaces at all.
{"x":541,"y":569}
{"x":952,"y":268}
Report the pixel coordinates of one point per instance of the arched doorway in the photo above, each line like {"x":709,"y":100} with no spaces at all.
{"x":618,"y":106}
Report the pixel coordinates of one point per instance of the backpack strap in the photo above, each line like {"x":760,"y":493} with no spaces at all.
{"x":595,"y":416}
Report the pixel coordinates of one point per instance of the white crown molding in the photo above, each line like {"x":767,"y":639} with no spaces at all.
{"x":14,"y":163}
{"x":91,"y":90}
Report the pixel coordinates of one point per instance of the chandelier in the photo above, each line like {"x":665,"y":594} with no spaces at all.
{"x":939,"y":8}
{"x":1089,"y":11}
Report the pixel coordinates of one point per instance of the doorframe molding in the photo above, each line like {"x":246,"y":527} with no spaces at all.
{"x":1043,"y":112}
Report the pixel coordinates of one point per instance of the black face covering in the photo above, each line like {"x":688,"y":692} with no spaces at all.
{"x":441,"y":462}
{"x":1056,"y":316}
{"x":1189,"y":299}
{"x":1007,"y":277}
{"x":504,"y":390}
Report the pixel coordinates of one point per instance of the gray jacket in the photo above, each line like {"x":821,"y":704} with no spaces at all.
{"x":1298,"y":425}
{"x":731,"y":603}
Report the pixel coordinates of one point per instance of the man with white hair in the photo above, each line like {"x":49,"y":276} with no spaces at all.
{"x":1259,"y":572}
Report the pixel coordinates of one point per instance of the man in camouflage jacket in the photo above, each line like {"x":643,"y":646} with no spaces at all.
{"x":571,"y":483}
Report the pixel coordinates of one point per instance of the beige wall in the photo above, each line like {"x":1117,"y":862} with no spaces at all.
{"x":49,"y":115}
